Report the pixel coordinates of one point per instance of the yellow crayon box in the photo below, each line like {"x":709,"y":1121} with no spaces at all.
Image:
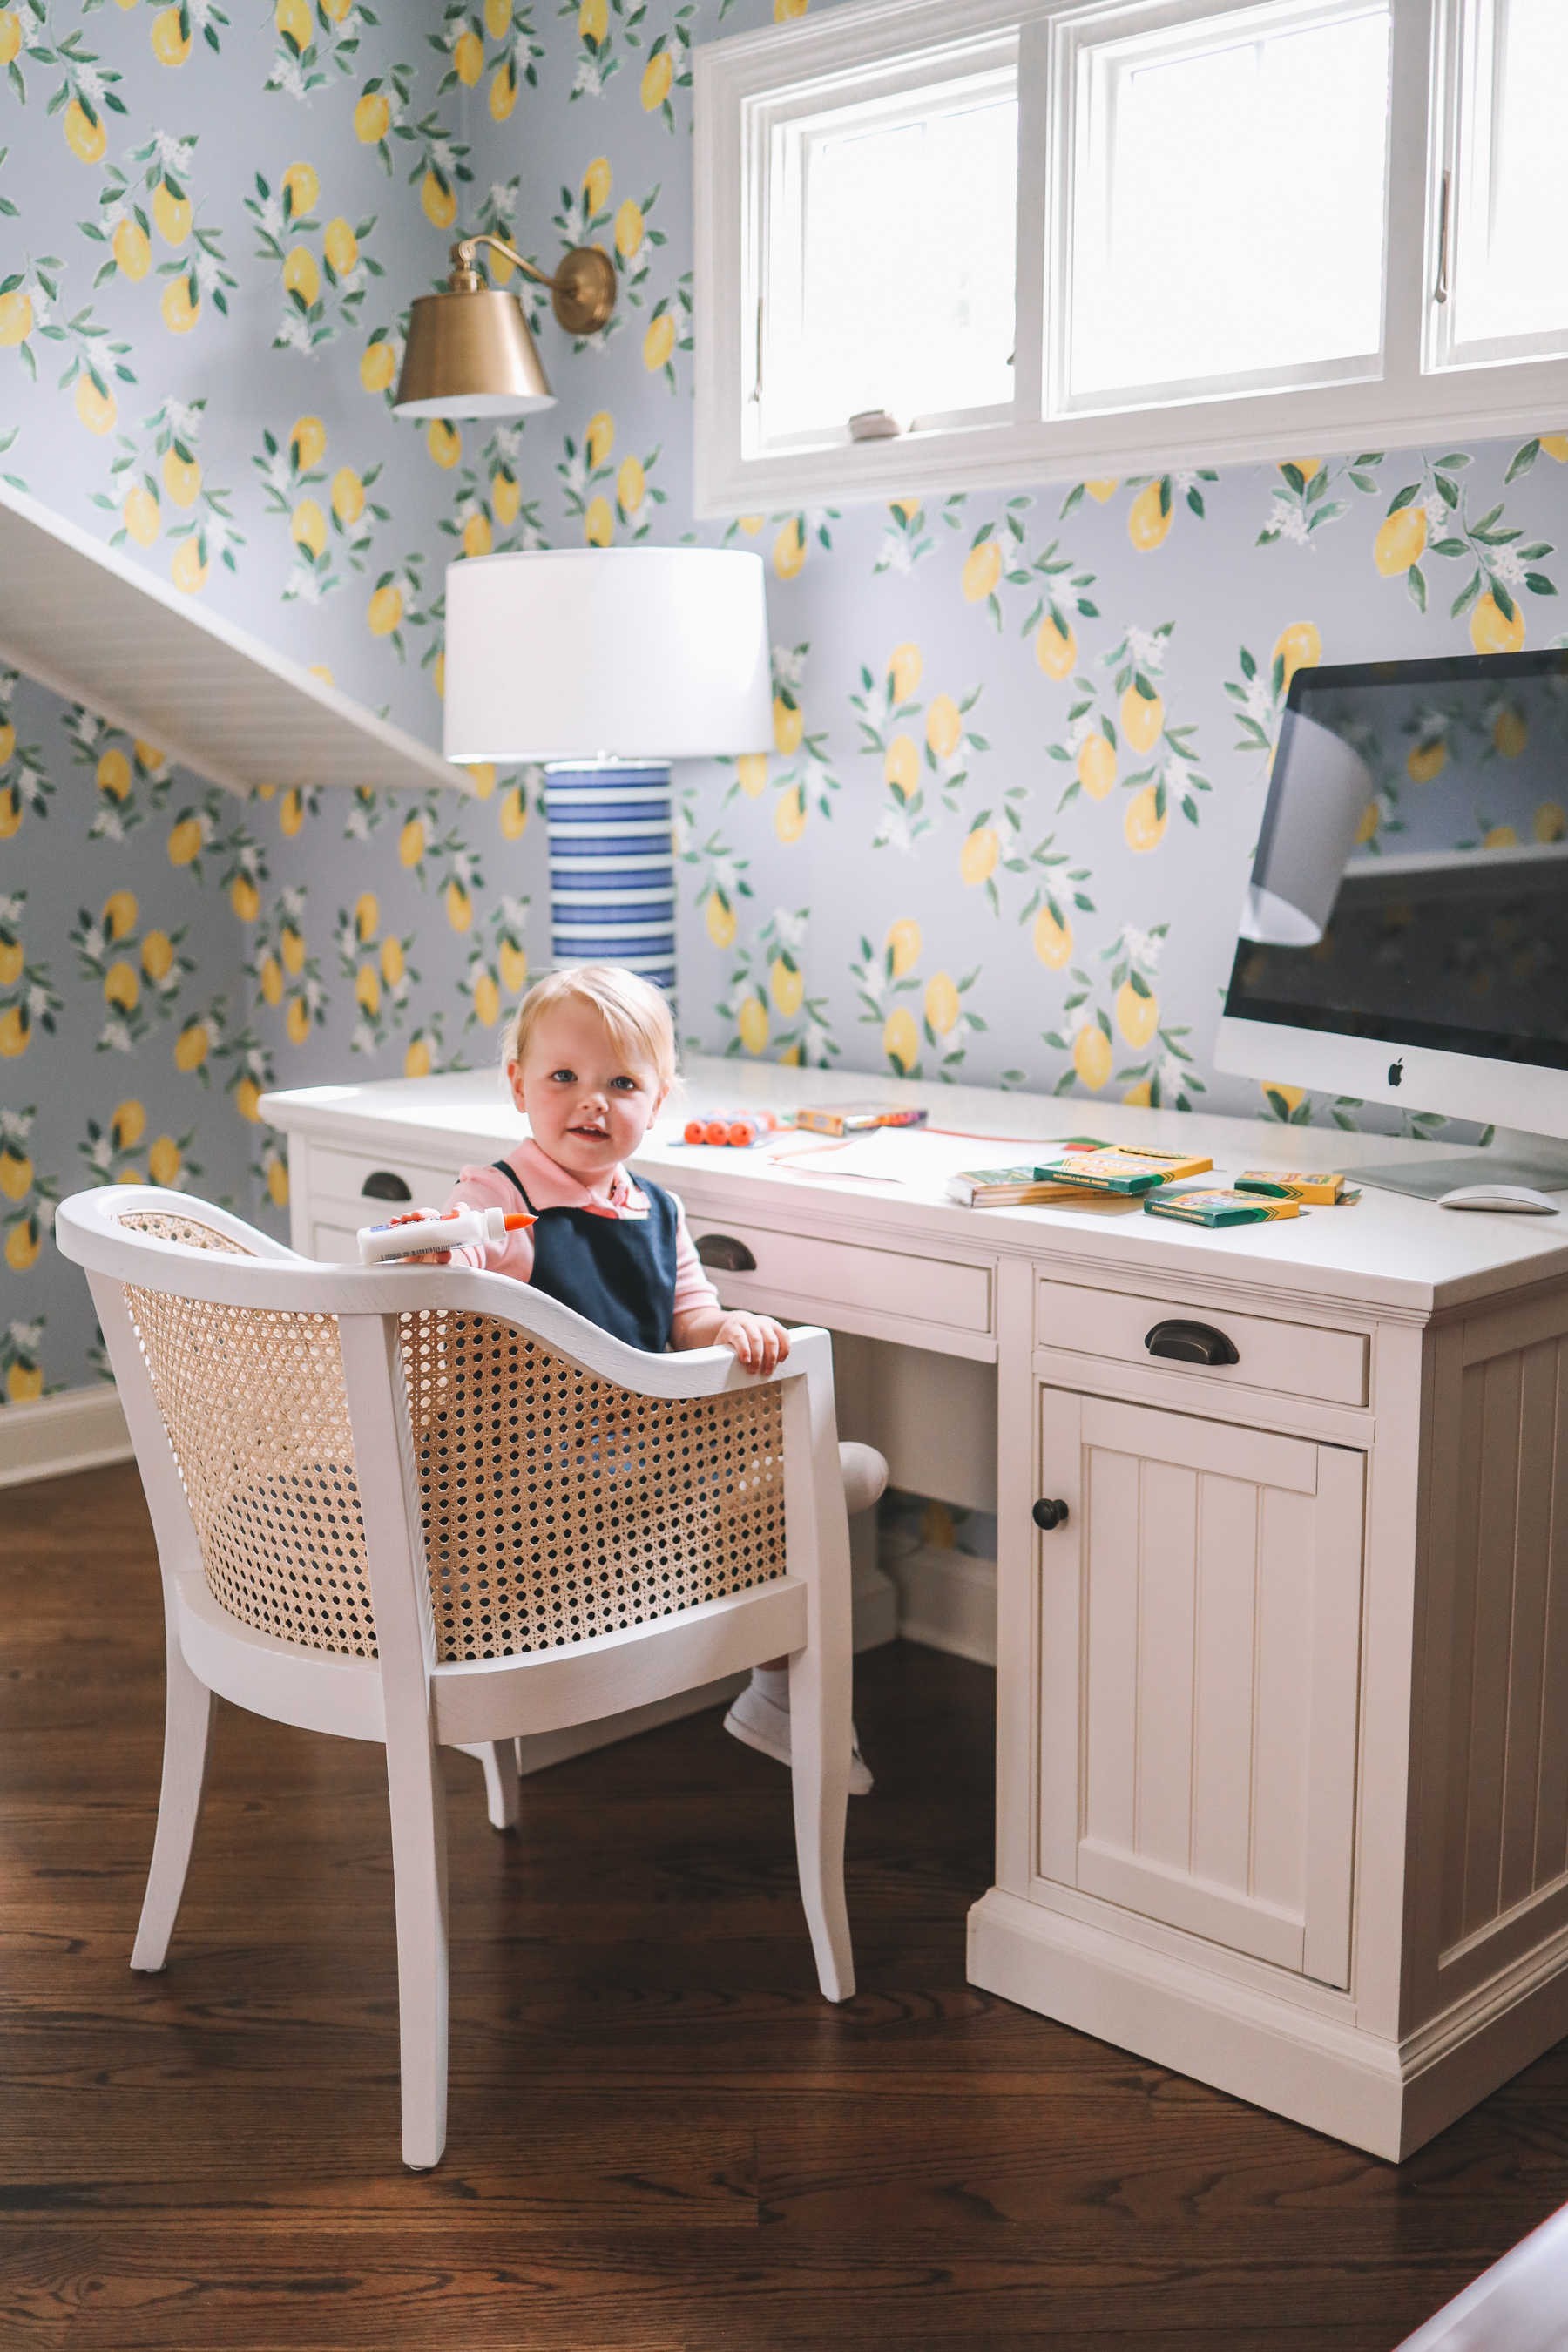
{"x":1276,"y":1183}
{"x":1219,"y":1208}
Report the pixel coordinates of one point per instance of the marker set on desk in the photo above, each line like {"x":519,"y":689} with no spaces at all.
{"x":1088,"y":1170}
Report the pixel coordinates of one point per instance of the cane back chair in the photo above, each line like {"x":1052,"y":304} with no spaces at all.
{"x":433,"y":1508}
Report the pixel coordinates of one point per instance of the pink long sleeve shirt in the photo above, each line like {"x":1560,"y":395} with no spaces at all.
{"x":551,"y":1186}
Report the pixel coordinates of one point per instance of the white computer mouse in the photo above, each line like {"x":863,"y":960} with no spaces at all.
{"x":1517,"y":1199}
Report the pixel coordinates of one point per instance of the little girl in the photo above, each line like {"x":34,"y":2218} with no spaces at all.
{"x":590,"y":1059}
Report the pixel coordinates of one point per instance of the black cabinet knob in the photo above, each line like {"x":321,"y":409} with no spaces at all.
{"x":1048,"y":1515}
{"x":381,"y":1184}
{"x":1191,"y":1343}
{"x":729,"y":1255}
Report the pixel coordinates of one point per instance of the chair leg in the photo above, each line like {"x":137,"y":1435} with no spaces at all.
{"x":499,"y":1758}
{"x":417,"y":1791}
{"x":819,"y":1750}
{"x":187,"y":1734}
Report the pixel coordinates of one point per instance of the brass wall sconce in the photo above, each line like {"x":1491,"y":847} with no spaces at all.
{"x":469,"y":352}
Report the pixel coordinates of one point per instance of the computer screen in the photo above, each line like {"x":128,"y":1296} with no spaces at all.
{"x":1404,"y":934}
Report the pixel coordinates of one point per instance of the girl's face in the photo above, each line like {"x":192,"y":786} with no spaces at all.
{"x":588,"y":1105}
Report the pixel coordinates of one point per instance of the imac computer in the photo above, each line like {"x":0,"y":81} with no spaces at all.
{"x":1403,"y":939}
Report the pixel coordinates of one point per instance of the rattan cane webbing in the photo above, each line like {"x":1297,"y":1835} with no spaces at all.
{"x":558,"y":1507}
{"x":168,"y":1227}
{"x":254,"y":1402}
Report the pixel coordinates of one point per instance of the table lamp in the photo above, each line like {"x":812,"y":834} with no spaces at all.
{"x":604,"y":665}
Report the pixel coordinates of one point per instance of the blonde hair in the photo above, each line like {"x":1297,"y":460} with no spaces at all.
{"x":636,"y":1017}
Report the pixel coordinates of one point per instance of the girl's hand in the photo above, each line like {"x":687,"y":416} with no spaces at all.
{"x":760,"y":1344}
{"x":423,"y":1258}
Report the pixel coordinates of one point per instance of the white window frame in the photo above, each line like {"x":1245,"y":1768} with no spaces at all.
{"x":745,"y":83}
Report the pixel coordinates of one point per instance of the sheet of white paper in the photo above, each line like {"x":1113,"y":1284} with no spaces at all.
{"x":907,"y":1155}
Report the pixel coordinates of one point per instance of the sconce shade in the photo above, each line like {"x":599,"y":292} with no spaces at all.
{"x":470,"y":355}
{"x":583,"y":654}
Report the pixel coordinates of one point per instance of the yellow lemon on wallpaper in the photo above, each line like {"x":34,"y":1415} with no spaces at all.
{"x":11,"y":956}
{"x":460,"y":907}
{"x":148,"y":756}
{"x":628,"y":229}
{"x":788,"y":984}
{"x":15,"y":1035}
{"x":598,"y":523}
{"x":293,"y":18}
{"x":592,"y":19}
{"x":112,"y":775}
{"x":300,"y":275}
{"x":127,"y":1125}
{"x":719,"y":918}
{"x":977,"y":858}
{"x":1102,"y":489}
{"x":487,"y":1000}
{"x":372,"y":118}
{"x":945,"y":727}
{"x":1096,"y":766}
{"x":596,"y":181}
{"x":789,"y":724}
{"x":900,"y":1038}
{"x":416,"y":1061}
{"x":1501,"y":836}
{"x":172,"y":215}
{"x":11,"y":812}
{"x":1055,"y":648}
{"x":497,"y":18}
{"x":600,"y":437}
{"x":245,"y":898}
{"x":1137,"y":1015}
{"x":340,"y":245}
{"x":658,"y":76}
{"x":1367,"y":828}
{"x":367,"y":988}
{"x":1092,"y":1056}
{"x":468,"y":58}
{"x":789,"y":549}
{"x":24,"y":1382}
{"x":513,"y":968}
{"x":789,"y":816}
{"x":185,"y":841}
{"x":84,"y":137}
{"x":1141,"y":719}
{"x":300,"y":188}
{"x":1143,"y":827}
{"x":444,"y":442}
{"x":16,"y":318}
{"x":140,"y":515}
{"x":10,"y":36}
{"x":482,"y":776}
{"x":23,"y":1243}
{"x":171,"y":38}
{"x":751,"y":773}
{"x":786,"y":11}
{"x":348,"y":494}
{"x":292,"y":947}
{"x":271,"y":979}
{"x":157,"y":956}
{"x":982,"y":570}
{"x":942,"y":1002}
{"x":903,"y":944}
{"x":1400,"y":539}
{"x":367,"y":915}
{"x":631,"y":485}
{"x":1510,"y":733}
{"x":297,"y":1021}
{"x":1147,"y":526}
{"x":120,"y":907}
{"x":1491,"y":633}
{"x":277,"y":1171}
{"x":1427,"y":761}
{"x":476,"y":535}
{"x":131,"y":249}
{"x":1550,"y":822}
{"x":1305,"y":466}
{"x":504,"y":98}
{"x":751,"y":524}
{"x":1297,"y":647}
{"x":182,"y":479}
{"x":7,"y":740}
{"x":247,"y":1100}
{"x":16,"y":1172}
{"x":190,"y":1053}
{"x":291,"y":811}
{"x":906,"y":667}
{"x":440,"y":203}
{"x":513,"y":813}
{"x":1051,"y":940}
{"x":385,"y":611}
{"x":1291,"y":1098}
{"x":411,"y":842}
{"x":657,"y":346}
{"x":752,"y":1025}
{"x":307,"y":527}
{"x":506,"y":496}
{"x":178,"y":311}
{"x":120,"y":986}
{"x":97,"y":409}
{"x":902,"y":766}
{"x":392,"y":962}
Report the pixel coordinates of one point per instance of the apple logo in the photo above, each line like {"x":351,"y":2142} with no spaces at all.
{"x":1396,"y":1072}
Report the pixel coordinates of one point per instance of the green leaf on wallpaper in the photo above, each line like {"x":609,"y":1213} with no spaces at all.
{"x":1449,"y":547}
{"x":1502,"y":600}
{"x":1454,"y":463}
{"x":1539,"y":584}
{"x":1522,"y":461}
{"x":1465,"y":597}
{"x":1415,"y":586}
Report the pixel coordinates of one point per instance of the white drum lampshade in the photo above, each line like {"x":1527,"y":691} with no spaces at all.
{"x":604,"y":665}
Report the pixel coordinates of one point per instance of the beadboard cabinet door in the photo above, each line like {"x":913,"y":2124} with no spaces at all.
{"x":1200,"y":1614}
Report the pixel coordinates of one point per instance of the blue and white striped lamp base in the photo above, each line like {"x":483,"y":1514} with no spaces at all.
{"x":612,"y":868}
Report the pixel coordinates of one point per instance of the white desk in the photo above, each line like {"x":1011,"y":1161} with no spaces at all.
{"x":1282,"y":1736}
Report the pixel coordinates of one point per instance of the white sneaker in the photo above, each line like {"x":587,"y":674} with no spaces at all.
{"x":758,"y":1723}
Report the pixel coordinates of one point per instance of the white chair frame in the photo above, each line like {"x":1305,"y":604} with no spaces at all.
{"x":404,"y":1696}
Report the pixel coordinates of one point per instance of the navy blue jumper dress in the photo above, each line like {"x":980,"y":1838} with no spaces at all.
{"x":618,"y":1272}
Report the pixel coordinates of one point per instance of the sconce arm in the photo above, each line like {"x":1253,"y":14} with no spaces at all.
{"x":463,"y":256}
{"x":582,"y":290}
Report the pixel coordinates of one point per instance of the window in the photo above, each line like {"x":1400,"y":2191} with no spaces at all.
{"x":1080,"y":237}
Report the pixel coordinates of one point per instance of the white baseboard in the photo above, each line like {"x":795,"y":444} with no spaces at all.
{"x":80,"y":1428}
{"x":947,"y":1600}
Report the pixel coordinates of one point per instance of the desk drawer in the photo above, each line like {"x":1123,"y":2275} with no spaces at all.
{"x":813,"y":1278}
{"x":1299,"y":1359}
{"x":340,"y":1176}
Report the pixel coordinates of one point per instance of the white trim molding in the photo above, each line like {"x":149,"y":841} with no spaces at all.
{"x":80,"y":1429}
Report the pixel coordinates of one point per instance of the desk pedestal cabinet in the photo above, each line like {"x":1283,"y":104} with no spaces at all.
{"x":1282,"y":1695}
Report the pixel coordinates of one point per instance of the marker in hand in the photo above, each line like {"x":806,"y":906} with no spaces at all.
{"x":416,"y":1235}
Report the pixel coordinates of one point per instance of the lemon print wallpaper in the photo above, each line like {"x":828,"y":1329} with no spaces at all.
{"x":1020,"y":740}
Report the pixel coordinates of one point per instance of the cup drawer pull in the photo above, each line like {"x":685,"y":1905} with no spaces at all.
{"x":724,"y":1250}
{"x":1191,"y":1343}
{"x":381,"y":1184}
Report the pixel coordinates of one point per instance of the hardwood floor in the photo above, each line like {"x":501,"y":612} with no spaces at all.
{"x":660,"y":2138}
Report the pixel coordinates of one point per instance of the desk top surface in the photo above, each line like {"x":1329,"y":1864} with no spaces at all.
{"x":1388,"y":1251}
